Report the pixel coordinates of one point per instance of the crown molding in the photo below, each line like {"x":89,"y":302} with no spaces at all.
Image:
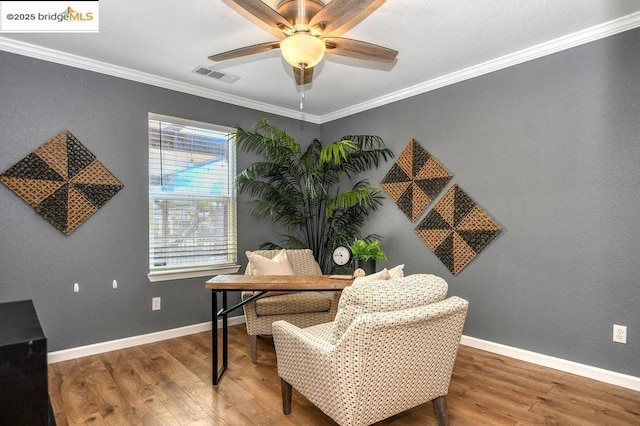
{"x":581,"y":37}
{"x":563,"y":43}
{"x":56,"y":56}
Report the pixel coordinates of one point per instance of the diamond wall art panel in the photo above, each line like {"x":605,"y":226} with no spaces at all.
{"x":414,"y":180}
{"x":457,"y":229}
{"x":63,"y":181}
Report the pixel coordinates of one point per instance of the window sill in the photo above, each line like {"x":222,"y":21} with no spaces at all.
{"x":178,"y":275}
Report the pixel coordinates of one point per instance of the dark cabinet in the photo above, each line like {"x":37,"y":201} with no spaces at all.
{"x":24,"y":396}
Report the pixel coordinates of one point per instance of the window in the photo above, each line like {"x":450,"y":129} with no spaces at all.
{"x":192,"y":199}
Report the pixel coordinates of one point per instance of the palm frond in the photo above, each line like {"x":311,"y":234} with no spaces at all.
{"x":293,"y":242}
{"x":360,"y":195}
{"x":337,"y":152}
{"x":266,"y":140}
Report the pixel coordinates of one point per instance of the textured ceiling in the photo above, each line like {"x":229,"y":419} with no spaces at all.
{"x":439,"y":42}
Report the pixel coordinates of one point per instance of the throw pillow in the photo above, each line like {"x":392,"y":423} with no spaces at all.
{"x":397,"y":271}
{"x":382,"y":275}
{"x":279,"y":265}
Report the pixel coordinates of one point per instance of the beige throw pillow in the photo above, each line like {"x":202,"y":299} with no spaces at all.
{"x":279,"y":265}
{"x":382,"y":275}
{"x":397,"y":271}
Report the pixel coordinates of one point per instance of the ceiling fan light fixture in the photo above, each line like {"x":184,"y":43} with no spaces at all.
{"x":302,"y":50}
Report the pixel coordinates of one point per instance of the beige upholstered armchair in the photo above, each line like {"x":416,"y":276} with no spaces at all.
{"x":303,"y":309}
{"x":391,"y":347}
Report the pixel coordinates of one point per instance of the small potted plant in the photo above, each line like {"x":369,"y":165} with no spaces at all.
{"x":366,"y":253}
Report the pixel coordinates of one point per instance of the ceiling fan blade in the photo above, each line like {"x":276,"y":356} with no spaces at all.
{"x":303,"y":75}
{"x":245,"y":51}
{"x":338,"y":13}
{"x":263,"y":12}
{"x":359,"y":49}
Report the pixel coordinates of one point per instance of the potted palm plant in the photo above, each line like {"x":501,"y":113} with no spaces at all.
{"x":303,"y":190}
{"x":365,"y":254}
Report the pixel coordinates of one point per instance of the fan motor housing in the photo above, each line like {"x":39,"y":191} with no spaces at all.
{"x":290,"y":11}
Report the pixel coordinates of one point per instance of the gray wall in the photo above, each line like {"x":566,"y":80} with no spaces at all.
{"x":551,"y":150}
{"x":109,"y":116}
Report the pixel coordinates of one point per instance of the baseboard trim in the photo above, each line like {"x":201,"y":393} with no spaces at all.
{"x":602,"y":375}
{"x":128,"y":342}
{"x":611,"y":377}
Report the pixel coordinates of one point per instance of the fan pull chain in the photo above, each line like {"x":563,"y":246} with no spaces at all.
{"x":302,"y":99}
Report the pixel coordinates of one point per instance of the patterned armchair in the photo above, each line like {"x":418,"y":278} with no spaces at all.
{"x":303,"y":309}
{"x":391,"y":347}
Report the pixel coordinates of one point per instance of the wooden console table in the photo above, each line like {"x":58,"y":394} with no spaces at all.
{"x":260,"y":284}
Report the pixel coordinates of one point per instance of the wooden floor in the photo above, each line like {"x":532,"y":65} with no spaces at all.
{"x":168,"y":383}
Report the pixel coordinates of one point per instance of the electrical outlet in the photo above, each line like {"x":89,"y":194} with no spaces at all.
{"x":619,"y":333}
{"x":155,"y":304}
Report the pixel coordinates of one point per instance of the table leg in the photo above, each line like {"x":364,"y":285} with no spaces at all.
{"x":214,"y":337}
{"x":225,"y":331}
{"x":216,"y":373}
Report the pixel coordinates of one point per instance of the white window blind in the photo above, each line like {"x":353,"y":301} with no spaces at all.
{"x":192,"y":199}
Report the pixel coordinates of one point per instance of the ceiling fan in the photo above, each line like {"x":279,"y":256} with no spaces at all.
{"x":309,"y":29}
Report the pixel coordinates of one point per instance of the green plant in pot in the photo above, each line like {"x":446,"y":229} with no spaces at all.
{"x":365,"y":253}
{"x":308,"y":191}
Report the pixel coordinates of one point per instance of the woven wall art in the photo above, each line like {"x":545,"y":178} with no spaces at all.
{"x":457,"y":229}
{"x":63,"y":181}
{"x":414,"y":180}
